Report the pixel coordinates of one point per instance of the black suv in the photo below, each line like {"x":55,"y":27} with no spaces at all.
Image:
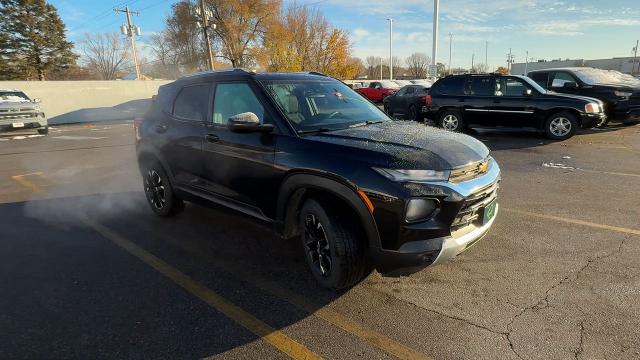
{"x":510,"y":101}
{"x":410,"y":102}
{"x":314,"y":159}
{"x":619,"y":92}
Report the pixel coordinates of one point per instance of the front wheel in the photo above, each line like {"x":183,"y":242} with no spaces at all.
{"x":451,"y":120}
{"x":43,"y":131}
{"x":333,"y":246}
{"x":561,"y":126}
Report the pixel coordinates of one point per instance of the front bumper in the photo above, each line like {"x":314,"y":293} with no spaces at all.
{"x":23,"y":124}
{"x":439,"y":239}
{"x":590,"y":120}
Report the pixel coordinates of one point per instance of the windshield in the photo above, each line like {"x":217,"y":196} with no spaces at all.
{"x":597,"y":76}
{"x":426,"y":83}
{"x":402,"y":82}
{"x":13,"y":96}
{"x":312,"y":105}
{"x":533,"y":84}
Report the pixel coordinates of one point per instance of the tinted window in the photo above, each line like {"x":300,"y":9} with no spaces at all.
{"x":540,"y":78}
{"x":402,"y":91}
{"x":191,"y":103}
{"x":561,"y":78}
{"x":451,"y":85}
{"x":514,"y":87}
{"x":233,"y":99}
{"x":478,"y":85}
{"x":374,"y":85}
{"x":410,"y":90}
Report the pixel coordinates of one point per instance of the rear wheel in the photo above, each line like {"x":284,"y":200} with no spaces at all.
{"x":451,"y":120}
{"x":333,"y":245}
{"x":413,"y":113}
{"x":561,"y":126}
{"x":159,"y":192}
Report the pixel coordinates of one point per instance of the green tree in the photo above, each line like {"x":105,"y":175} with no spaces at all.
{"x":32,"y":40}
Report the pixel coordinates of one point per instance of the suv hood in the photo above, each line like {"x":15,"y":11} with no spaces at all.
{"x":21,"y":106}
{"x":409,"y":145}
{"x":586,"y":99}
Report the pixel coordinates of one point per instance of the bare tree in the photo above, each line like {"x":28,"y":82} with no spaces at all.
{"x":417,"y":64}
{"x":480,"y":68}
{"x":397,"y":67}
{"x":105,"y":54}
{"x":373,"y":66}
{"x":167,"y":59}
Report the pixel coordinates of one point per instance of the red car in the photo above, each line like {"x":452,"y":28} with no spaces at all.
{"x":378,"y":90}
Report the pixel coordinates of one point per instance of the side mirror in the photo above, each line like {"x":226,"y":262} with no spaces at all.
{"x":36,"y":100}
{"x":570,"y":85}
{"x":248,"y":122}
{"x":527,"y":92}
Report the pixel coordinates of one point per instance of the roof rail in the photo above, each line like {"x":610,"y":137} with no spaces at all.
{"x":318,"y":73}
{"x":222,"y":71}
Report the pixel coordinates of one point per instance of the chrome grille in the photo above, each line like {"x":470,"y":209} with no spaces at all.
{"x":470,"y":211}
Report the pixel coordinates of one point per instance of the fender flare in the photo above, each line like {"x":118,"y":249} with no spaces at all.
{"x":145,"y":149}
{"x":296,"y":186}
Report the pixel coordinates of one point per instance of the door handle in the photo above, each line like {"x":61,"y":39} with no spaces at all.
{"x":161,"y":128}
{"x":212,"y":138}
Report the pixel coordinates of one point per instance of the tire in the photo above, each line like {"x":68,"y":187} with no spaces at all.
{"x":561,"y":126}
{"x":159,"y":191}
{"x":323,"y":227}
{"x":412,"y":113}
{"x":43,"y":131}
{"x":451,"y":120}
{"x":386,"y":109}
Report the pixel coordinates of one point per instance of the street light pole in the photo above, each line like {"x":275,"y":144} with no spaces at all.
{"x":486,"y":54}
{"x":472,"y":59}
{"x":436,"y":15}
{"x":390,"y":49}
{"x":526,"y":63}
{"x":450,"y":41}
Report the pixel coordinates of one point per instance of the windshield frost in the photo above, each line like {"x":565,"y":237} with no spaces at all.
{"x":13,"y":96}
{"x":597,"y":76}
{"x":316,"y":105}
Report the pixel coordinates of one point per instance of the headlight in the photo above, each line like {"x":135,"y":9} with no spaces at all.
{"x":623,"y":94}
{"x":413,"y":175}
{"x":592,"y":108}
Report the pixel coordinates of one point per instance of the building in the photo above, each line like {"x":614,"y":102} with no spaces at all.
{"x":623,"y":64}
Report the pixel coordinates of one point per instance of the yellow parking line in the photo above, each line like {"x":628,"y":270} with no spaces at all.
{"x":274,"y":337}
{"x":21,"y":179}
{"x":576,"y":221}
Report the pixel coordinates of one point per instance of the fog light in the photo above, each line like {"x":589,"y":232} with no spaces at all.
{"x":418,"y":209}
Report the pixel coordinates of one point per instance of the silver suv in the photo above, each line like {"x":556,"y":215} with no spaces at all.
{"x":19,"y":112}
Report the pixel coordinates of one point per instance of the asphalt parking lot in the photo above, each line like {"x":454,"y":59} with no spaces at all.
{"x":87,"y":271}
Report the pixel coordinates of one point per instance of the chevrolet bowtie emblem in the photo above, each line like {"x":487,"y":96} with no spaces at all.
{"x":483,"y":167}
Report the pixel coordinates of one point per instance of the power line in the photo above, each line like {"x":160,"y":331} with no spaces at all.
{"x":131,"y":30}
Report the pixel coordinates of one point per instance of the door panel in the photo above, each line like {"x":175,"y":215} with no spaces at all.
{"x":477,"y":99}
{"x":238,"y":166}
{"x":510,"y":106}
{"x":181,"y":134}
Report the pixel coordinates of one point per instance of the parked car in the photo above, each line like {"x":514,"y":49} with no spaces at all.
{"x":510,"y":101}
{"x":619,"y":92}
{"x":410,"y":102}
{"x":307,"y":155}
{"x":378,"y":90}
{"x":19,"y":112}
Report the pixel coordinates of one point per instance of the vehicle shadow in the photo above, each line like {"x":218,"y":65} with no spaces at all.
{"x":69,"y":290}
{"x":124,"y":111}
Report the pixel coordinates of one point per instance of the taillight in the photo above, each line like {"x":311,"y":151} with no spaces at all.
{"x":426,"y":100}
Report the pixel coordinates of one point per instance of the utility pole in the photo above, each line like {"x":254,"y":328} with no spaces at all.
{"x":486,"y":54}
{"x":436,"y":16}
{"x":380,"y":68}
{"x":450,"y":41}
{"x":390,"y":49}
{"x":635,"y":56}
{"x":472,"y":58}
{"x":526,"y":63}
{"x":130,"y":30}
{"x":204,"y":18}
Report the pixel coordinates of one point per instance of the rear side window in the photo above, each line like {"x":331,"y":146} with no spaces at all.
{"x":478,"y":85}
{"x":450,"y":86}
{"x":191,"y":102}
{"x":561,"y":78}
{"x":541,"y":78}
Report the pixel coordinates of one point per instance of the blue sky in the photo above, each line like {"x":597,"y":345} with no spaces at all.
{"x":546,"y":28}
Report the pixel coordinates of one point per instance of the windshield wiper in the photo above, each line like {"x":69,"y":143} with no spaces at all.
{"x":368,"y":122}
{"x":318,"y":130}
